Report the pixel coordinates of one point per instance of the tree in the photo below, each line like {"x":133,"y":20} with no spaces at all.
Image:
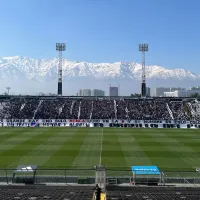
{"x":195,"y":95}
{"x":135,"y":95}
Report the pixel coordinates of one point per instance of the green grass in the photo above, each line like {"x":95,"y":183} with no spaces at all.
{"x":169,"y":149}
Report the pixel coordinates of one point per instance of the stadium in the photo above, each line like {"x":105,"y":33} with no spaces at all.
{"x":133,"y":148}
{"x":57,"y":146}
{"x":98,"y":147}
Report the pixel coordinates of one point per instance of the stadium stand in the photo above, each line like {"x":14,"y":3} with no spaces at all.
{"x":153,"y":193}
{"x":137,"y":109}
{"x":70,"y":108}
{"x":23,"y":107}
{"x":178,"y":111}
{"x":39,"y":192}
{"x":103,"y":109}
{"x":194,"y":109}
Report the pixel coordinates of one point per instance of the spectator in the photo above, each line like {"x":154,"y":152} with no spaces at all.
{"x":64,"y":108}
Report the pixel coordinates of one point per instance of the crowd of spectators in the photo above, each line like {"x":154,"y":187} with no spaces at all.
{"x":18,"y":108}
{"x":48,"y":109}
{"x":194,"y":108}
{"x":86,"y":109}
{"x":65,"y":111}
{"x":179,"y":110}
{"x":103,"y":109}
{"x":140,"y":109}
{"x":62,"y":108}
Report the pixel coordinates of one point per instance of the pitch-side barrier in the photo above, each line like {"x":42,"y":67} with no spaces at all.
{"x":92,"y":175}
{"x":116,"y":123}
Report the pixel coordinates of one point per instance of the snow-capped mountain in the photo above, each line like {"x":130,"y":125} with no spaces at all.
{"x":39,"y":69}
{"x":23,"y":70}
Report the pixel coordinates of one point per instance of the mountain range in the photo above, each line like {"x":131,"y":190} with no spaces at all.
{"x":31,"y":76}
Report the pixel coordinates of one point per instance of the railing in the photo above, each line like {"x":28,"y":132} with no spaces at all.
{"x":79,"y":110}
{"x":91,"y":110}
{"x":191,"y":109}
{"x":37,"y":108}
{"x":170,"y":112}
{"x":78,"y":176}
{"x":87,"y":176}
{"x":115,"y":108}
{"x":187,"y":177}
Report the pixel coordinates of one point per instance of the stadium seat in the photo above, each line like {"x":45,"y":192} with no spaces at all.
{"x":155,"y":192}
{"x":39,"y":192}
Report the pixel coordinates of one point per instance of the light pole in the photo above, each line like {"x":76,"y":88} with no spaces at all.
{"x":8,"y":89}
{"x":143,"y":48}
{"x":109,"y":89}
{"x":60,"y":47}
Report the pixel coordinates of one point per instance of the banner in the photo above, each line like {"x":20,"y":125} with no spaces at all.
{"x":145,"y":170}
{"x":98,"y":122}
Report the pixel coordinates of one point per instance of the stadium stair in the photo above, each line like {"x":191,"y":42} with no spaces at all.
{"x":61,"y":108}
{"x":91,"y":110}
{"x":115,"y":108}
{"x":1,"y":108}
{"x":126,"y":109}
{"x":192,"y":111}
{"x":197,"y":108}
{"x":170,"y":112}
{"x":72,"y":106}
{"x":22,"y":107}
{"x":37,"y":108}
{"x":79,"y":110}
{"x":189,"y":110}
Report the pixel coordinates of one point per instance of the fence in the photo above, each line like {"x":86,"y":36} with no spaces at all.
{"x":40,"y":176}
{"x":187,"y":177}
{"x":87,"y":176}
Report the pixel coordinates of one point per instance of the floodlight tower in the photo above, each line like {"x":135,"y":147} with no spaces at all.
{"x":60,"y":47}
{"x":143,"y":48}
{"x":8,"y":89}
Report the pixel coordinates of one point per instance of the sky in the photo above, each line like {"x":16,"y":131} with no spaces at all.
{"x":103,"y":30}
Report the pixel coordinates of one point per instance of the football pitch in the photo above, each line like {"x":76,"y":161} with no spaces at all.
{"x":117,"y":148}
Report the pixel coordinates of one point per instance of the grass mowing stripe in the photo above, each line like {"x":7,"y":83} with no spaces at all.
{"x":136,"y":155}
{"x":59,"y":132}
{"x":22,"y":139}
{"x":14,"y":133}
{"x":168,"y":158}
{"x":11,"y":151}
{"x":65,"y":160}
{"x":5,"y":132}
{"x":95,"y":153}
{"x":117,"y":160}
{"x":88,"y":155}
{"x":167,"y":148}
{"x":35,"y":155}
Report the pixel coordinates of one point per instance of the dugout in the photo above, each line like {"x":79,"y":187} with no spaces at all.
{"x":146,"y":175}
{"x":24,"y":174}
